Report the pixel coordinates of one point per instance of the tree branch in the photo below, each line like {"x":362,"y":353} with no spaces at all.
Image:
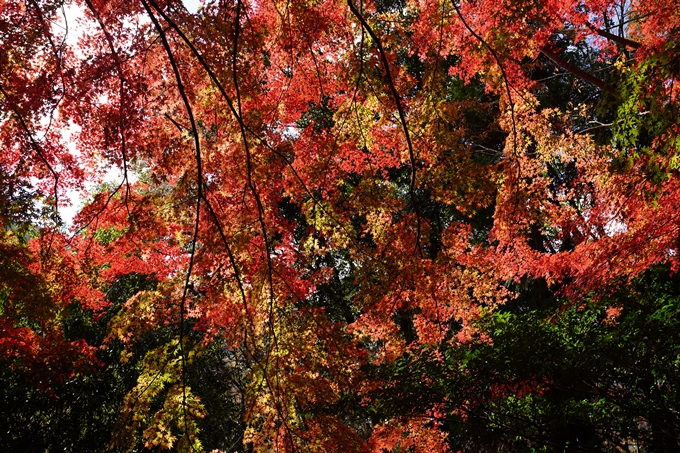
{"x":616,"y":38}
{"x":578,"y":72}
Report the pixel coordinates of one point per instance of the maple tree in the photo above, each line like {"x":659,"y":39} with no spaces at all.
{"x":392,"y":225}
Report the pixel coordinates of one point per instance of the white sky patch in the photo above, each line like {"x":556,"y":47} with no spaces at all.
{"x":614,"y":227}
{"x":75,"y":199}
{"x":291,"y":132}
{"x":192,"y":5}
{"x":114,"y":177}
{"x":68,"y":25}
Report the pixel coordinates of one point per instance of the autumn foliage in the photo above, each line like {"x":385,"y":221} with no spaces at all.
{"x":342,"y":226}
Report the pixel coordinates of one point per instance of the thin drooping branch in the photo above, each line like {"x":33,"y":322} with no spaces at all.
{"x":213,"y":214}
{"x":402,"y":116}
{"x":243,"y":129}
{"x":260,"y":208}
{"x":35,"y":145}
{"x":249,"y":165}
{"x":506,"y":82}
{"x":58,"y":52}
{"x":121,"y":103}
{"x":495,"y":56}
{"x":199,"y":178}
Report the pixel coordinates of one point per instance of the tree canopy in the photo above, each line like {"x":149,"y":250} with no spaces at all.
{"x":390,"y":225}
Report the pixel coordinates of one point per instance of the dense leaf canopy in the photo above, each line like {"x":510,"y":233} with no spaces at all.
{"x":390,"y":225}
